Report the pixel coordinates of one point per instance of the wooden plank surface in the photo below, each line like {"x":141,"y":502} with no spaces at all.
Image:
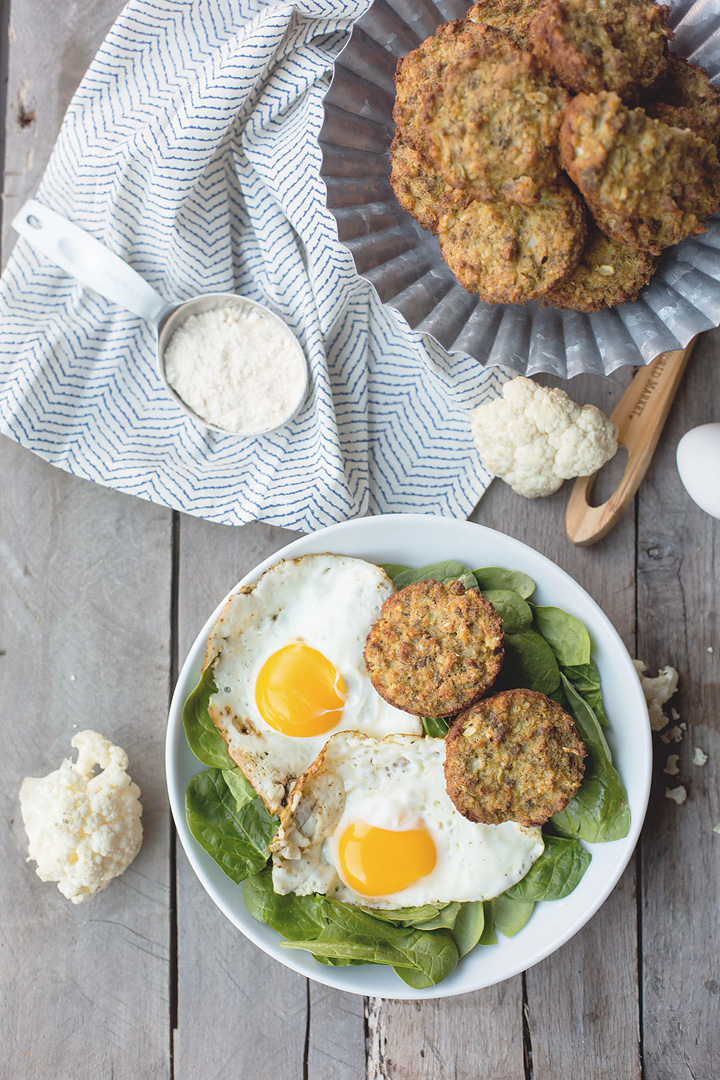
{"x":679,"y":623}
{"x":84,"y":622}
{"x":149,"y":979}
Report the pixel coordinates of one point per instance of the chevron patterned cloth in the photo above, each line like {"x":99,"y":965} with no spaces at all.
{"x":190,"y":149}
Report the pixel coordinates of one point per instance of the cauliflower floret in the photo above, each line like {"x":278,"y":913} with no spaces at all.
{"x":534,"y":438}
{"x":657,"y":691}
{"x":83,"y":829}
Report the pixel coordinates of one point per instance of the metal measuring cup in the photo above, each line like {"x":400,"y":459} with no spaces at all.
{"x":95,"y":266}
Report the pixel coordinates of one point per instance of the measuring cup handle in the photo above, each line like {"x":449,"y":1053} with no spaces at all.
{"x":77,"y":252}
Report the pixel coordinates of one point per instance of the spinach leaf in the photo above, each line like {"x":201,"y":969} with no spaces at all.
{"x":435,"y":726}
{"x":566,"y":635}
{"x":469,"y":926}
{"x":555,"y":874}
{"x":296,"y":916}
{"x":509,"y":915}
{"x":559,"y":696}
{"x":497,"y":577}
{"x":488,"y":936}
{"x":599,"y":811}
{"x":241,"y":788}
{"x":206,"y":742}
{"x":351,"y":934}
{"x":530,"y":662}
{"x":413,"y":977}
{"x":410,"y":916}
{"x":586,"y":680}
{"x":515,"y":613}
{"x":442,"y":571}
{"x":444,"y":919}
{"x":331,"y":930}
{"x":236,"y":836}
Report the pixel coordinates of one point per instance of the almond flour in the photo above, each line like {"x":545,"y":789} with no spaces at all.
{"x":237,"y":367}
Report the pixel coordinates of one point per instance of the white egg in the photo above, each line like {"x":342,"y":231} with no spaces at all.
{"x":371,"y":823}
{"x":698,"y":462}
{"x":287,"y":657}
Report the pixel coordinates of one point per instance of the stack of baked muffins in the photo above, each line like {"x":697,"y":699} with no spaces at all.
{"x":556,"y":148}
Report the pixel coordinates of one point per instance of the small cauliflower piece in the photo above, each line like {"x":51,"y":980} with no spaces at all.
{"x":533,"y":438}
{"x":677,"y":794}
{"x":673,"y":734}
{"x":671,"y":766}
{"x":657,"y":691}
{"x":699,"y":756}
{"x":83,"y":829}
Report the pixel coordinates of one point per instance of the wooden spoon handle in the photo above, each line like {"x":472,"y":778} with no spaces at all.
{"x":640,"y":418}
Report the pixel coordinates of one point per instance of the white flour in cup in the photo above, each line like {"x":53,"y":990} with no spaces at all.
{"x":237,"y":367}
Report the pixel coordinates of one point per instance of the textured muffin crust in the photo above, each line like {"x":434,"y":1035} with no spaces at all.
{"x":686,"y":88}
{"x":419,"y":71}
{"x":595,"y":45}
{"x":493,"y":122}
{"x":515,"y":756}
{"x":435,"y":648}
{"x":508,"y":253}
{"x":648,"y":185}
{"x":417,"y":184}
{"x":608,"y":273}
{"x":513,"y":17}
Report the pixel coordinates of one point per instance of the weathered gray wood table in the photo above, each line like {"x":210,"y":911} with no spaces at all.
{"x":101,"y":596}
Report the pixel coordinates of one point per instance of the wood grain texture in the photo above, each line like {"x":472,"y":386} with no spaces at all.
{"x":679,"y":623}
{"x":583,"y":1014}
{"x":84,"y":617}
{"x":469,"y":1037}
{"x":85,"y":606}
{"x":239,"y":1012}
{"x":50,"y":48}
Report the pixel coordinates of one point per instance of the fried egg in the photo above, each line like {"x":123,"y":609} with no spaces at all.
{"x":371,"y":823}
{"x":287,"y":658}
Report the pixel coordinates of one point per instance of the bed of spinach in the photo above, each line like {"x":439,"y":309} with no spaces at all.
{"x":547,"y":650}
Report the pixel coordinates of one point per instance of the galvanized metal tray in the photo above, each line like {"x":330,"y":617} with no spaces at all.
{"x":403,"y":263}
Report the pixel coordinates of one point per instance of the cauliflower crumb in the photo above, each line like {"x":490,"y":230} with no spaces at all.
{"x":657,"y":691}
{"x":674,"y":715}
{"x":699,"y":756}
{"x":716,"y":828}
{"x":671,"y":768}
{"x":533,"y":438}
{"x":673,"y":734}
{"x":677,"y":794}
{"x":83,"y":829}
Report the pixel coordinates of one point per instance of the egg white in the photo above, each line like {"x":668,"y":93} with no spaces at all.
{"x":396,"y":784}
{"x":328,"y":602}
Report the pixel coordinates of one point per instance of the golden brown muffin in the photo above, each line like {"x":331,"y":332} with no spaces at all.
{"x":594,"y":45}
{"x":513,"y":17}
{"x":421,"y":70}
{"x":493,"y":123}
{"x":515,"y":756}
{"x":686,"y":88}
{"x":417,"y":184}
{"x":508,"y":253}
{"x":435,"y":648}
{"x":648,"y":185}
{"x":608,"y":273}
{"x":676,"y":116}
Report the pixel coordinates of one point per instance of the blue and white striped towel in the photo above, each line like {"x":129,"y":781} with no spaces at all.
{"x":190,"y":149}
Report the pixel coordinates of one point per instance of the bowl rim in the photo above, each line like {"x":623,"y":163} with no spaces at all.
{"x":472,"y":973}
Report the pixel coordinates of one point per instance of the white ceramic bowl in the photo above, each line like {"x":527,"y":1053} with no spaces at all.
{"x":417,"y":540}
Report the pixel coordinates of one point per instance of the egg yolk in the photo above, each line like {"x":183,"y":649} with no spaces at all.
{"x":299,"y":692}
{"x":378,"y":862}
